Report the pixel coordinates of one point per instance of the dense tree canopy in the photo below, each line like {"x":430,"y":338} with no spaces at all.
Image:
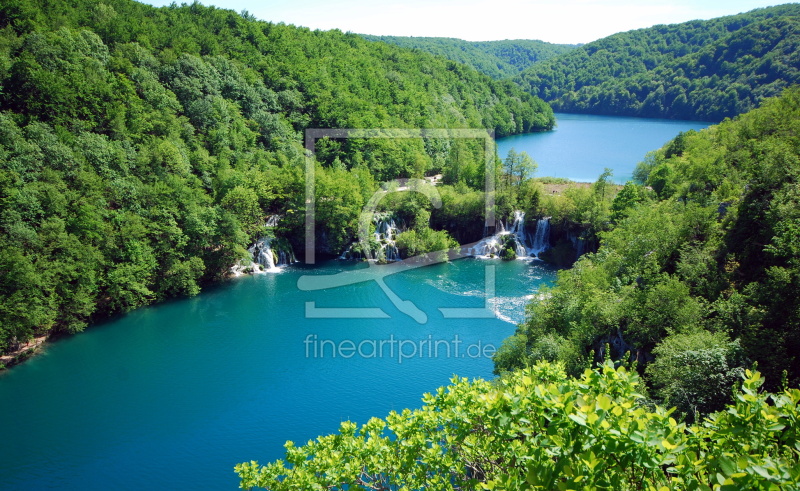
{"x":699,"y":70}
{"x":498,"y":59}
{"x":142,"y":149}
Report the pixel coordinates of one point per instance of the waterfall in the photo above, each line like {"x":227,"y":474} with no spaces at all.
{"x":541,"y":240}
{"x":517,"y":229}
{"x":349,"y":253}
{"x":385,"y":233}
{"x":487,"y":247}
{"x":516,"y":237}
{"x":262,"y":254}
{"x":263,"y":257}
{"x":272,"y":221}
{"x":500,"y":227}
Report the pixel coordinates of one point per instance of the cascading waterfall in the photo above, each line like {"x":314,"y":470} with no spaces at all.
{"x":386,"y":231}
{"x":520,"y":234}
{"x":263,"y":255}
{"x":272,"y":221}
{"x":516,"y":237}
{"x":349,"y":253}
{"x":487,"y":247}
{"x":263,"y":258}
{"x":541,"y":240}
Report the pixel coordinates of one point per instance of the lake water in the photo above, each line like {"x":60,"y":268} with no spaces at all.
{"x":582,"y":145}
{"x":173,"y":396}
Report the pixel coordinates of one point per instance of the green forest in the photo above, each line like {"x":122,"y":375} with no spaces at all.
{"x":698,"y":70}
{"x":697,"y":272}
{"x":498,"y":59}
{"x":636,"y":370}
{"x":142,"y":149}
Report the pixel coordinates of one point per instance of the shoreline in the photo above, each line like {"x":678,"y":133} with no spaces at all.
{"x":30,"y":348}
{"x":21,"y":354}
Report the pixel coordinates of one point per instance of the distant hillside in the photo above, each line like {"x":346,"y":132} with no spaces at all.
{"x":701,"y":70}
{"x":498,"y":59}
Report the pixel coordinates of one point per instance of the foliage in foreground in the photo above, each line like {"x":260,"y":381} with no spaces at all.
{"x":540,"y":429}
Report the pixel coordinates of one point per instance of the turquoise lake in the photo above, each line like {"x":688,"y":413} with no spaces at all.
{"x":173,"y":396}
{"x":583,"y":145}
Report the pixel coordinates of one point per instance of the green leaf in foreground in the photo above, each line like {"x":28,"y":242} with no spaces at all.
{"x":540,"y":429}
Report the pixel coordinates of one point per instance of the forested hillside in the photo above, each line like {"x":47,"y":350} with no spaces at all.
{"x":142,"y":149}
{"x":498,"y":59}
{"x":699,"y":70}
{"x":698,"y":274}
